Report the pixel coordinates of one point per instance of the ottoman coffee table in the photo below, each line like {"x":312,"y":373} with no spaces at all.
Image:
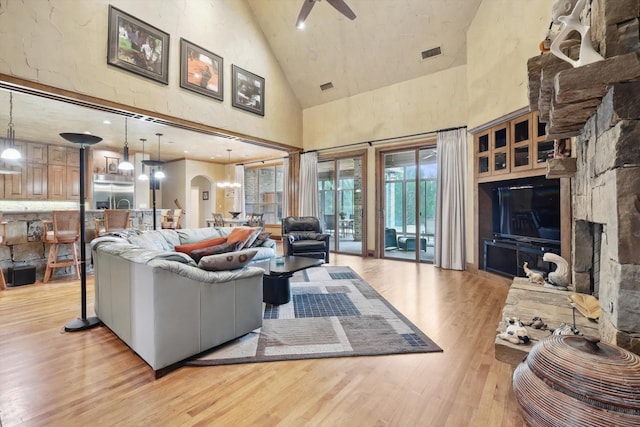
{"x":276,"y":288}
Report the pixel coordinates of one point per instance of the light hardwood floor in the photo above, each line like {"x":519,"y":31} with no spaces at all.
{"x":52,"y":378}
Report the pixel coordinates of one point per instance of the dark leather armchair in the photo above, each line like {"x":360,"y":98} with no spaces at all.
{"x":303,"y":236}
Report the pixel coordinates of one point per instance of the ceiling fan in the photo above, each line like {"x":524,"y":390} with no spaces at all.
{"x":339,"y":5}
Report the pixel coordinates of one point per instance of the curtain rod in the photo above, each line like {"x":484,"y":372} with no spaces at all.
{"x":376,"y":141}
{"x":262,"y":161}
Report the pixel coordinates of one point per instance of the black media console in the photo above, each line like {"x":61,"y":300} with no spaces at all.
{"x":507,"y":256}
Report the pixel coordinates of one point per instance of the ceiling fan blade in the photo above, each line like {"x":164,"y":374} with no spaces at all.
{"x":342,"y":7}
{"x":304,"y":12}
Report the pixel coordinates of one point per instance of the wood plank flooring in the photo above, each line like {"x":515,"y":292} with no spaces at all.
{"x":52,"y":378}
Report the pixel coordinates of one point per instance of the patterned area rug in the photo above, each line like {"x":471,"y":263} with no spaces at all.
{"x":332,"y":313}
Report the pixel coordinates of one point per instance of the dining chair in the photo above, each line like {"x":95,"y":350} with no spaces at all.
{"x":113,"y":220}
{"x":172,"y":221}
{"x":65,"y":230}
{"x":218,"y":220}
{"x":255,"y":220}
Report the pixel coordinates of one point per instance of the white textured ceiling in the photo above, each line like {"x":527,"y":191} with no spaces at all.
{"x":382,"y":46}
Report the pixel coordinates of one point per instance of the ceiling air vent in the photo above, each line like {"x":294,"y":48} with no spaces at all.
{"x":326,"y":86}
{"x":430,"y":53}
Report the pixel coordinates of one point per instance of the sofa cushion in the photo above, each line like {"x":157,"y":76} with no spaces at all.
{"x":151,"y":240}
{"x":227,"y":261}
{"x":222,"y":248}
{"x":194,"y":235}
{"x":189,"y":247}
{"x":246,"y":235}
{"x":308,"y":245}
{"x":260,"y":239}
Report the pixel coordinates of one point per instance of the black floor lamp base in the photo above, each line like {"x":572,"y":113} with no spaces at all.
{"x":82,"y":324}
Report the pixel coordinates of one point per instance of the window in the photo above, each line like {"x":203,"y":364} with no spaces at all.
{"x":263,"y":188}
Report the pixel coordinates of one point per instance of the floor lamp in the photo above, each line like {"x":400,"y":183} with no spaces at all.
{"x":153,"y":181}
{"x":83,"y":322}
{"x":155,"y":166}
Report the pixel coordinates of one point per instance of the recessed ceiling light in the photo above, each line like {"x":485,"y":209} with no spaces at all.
{"x":186,"y":151}
{"x":106,"y":122}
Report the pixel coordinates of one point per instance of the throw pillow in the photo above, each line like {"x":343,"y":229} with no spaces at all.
{"x":228,"y":261}
{"x":262,"y":237}
{"x":197,"y":254}
{"x":241,"y":234}
{"x":189,"y":247}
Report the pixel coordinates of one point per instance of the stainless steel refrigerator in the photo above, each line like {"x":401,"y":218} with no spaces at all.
{"x":111,"y":191}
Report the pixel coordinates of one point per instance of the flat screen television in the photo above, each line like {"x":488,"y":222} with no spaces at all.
{"x":530,"y":211}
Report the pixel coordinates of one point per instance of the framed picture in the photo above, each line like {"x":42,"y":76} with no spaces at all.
{"x":200,"y":70}
{"x":247,"y":90}
{"x":205,"y":195}
{"x":112,"y":164}
{"x":136,"y":46}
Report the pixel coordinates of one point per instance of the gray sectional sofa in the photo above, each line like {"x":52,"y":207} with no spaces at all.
{"x":162,"y":305}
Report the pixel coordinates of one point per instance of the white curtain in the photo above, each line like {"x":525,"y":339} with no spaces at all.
{"x":238,"y":197}
{"x":308,"y":185}
{"x":450,"y":248}
{"x":285,"y":188}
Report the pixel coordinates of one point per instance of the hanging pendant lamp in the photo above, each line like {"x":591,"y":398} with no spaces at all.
{"x":229,"y":183}
{"x":10,"y":153}
{"x":125,"y":165}
{"x":159,"y":174}
{"x":143,"y":176}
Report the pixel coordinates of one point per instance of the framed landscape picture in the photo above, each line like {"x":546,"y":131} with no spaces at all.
{"x":247,"y":90}
{"x":200,"y":70}
{"x":136,"y":46}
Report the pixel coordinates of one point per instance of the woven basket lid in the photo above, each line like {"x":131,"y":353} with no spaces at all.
{"x":577,"y":378}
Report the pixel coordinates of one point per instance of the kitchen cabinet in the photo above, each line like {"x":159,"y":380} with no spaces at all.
{"x":492,"y":151}
{"x":57,"y":155}
{"x":15,"y":185}
{"x":36,"y":181}
{"x":515,"y":145}
{"x":57,"y":182}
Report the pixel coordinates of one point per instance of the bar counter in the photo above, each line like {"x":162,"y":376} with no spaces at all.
{"x":24,"y":231}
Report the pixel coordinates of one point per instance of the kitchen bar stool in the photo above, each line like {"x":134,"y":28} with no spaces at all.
{"x":65,"y":231}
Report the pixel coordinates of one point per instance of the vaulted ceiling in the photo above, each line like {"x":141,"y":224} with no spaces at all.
{"x":382,"y":46}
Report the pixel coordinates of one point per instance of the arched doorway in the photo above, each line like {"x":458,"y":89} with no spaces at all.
{"x":202,"y":201}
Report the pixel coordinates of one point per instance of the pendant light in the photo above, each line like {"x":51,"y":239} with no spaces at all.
{"x":159,"y":174}
{"x":229,"y":183}
{"x":126,"y":165}
{"x":143,"y":176}
{"x":10,"y":152}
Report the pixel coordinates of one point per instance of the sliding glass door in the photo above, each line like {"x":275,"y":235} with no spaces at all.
{"x":409,"y":204}
{"x":341,"y":202}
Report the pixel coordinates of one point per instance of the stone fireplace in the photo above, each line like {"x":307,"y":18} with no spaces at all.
{"x":599,"y":105}
{"x":606,"y":214}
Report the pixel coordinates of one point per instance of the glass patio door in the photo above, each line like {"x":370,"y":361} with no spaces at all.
{"x":409,"y":204}
{"x":340,"y":201}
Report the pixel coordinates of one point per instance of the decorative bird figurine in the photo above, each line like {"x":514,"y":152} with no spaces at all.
{"x":532,"y":275}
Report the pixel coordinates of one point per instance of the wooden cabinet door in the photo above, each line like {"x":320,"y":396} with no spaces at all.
{"x":57,"y":182}
{"x":73,"y":183}
{"x":482,"y":146}
{"x":15,"y":185}
{"x":500,"y":150}
{"x":521,"y":147}
{"x":37,"y":153}
{"x":37,"y":181}
{"x":57,"y":155}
